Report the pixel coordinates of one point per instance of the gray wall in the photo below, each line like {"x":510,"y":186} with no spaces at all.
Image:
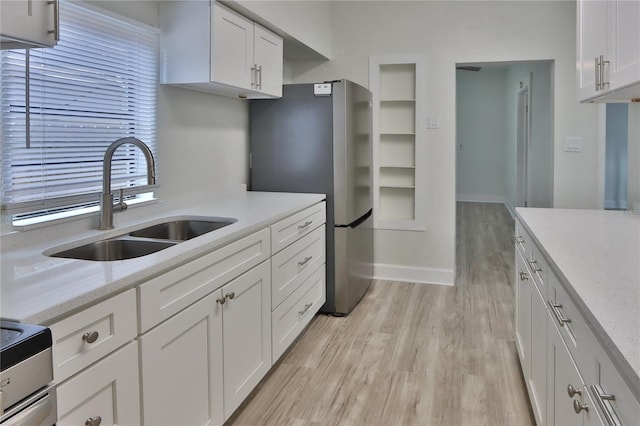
{"x":616,"y":158}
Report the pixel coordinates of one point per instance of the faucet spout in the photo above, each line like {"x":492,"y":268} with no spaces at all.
{"x":106,"y":198}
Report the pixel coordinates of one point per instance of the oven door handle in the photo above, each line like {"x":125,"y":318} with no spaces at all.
{"x":35,"y":413}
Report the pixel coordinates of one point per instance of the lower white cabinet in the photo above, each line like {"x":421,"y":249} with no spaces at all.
{"x":107,"y":393}
{"x":199,"y":365}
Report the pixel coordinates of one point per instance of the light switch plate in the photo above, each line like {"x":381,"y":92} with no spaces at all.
{"x":433,"y":122}
{"x":572,"y":144}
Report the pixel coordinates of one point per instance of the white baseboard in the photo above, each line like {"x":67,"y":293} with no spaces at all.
{"x":512,"y":210}
{"x":481,"y":198}
{"x":412,"y":274}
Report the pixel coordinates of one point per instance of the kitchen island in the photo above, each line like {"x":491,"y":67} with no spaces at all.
{"x":584,"y":269}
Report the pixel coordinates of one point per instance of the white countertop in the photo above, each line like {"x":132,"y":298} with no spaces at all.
{"x":596,"y":255}
{"x":38,"y":289}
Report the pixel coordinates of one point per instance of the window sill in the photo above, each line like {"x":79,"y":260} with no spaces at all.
{"x":69,"y":216}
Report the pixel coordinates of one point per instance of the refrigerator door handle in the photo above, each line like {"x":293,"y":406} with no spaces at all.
{"x":358,"y":221}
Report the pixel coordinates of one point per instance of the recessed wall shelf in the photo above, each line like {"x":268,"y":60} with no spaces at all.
{"x":398,"y":93}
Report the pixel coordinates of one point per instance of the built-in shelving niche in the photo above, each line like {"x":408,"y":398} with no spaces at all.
{"x":397,"y":88}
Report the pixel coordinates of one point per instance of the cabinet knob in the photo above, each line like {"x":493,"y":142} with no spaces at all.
{"x":230,"y":295}
{"x":221,"y":300}
{"x":523,"y":276}
{"x":93,"y":421}
{"x":90,"y":337}
{"x":573,"y":391}
{"x":577,"y":407}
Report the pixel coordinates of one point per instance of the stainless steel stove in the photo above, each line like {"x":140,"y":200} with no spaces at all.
{"x":27,"y":395}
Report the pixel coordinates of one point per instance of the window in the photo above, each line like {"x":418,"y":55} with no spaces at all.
{"x":97,"y":85}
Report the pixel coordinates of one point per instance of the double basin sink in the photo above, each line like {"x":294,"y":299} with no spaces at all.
{"x":147,"y":240}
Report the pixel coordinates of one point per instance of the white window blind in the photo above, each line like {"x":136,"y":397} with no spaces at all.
{"x":96,"y":85}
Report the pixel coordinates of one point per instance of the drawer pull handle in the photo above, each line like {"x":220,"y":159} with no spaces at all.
{"x":230,"y":295}
{"x":93,"y":421}
{"x":577,"y":407}
{"x":90,"y":337}
{"x":573,"y":391}
{"x":523,"y":276}
{"x":604,"y":401}
{"x":221,"y":300}
{"x":533,"y":264}
{"x":305,"y":225}
{"x":519,"y":240}
{"x":305,"y":261}
{"x":306,"y":308}
{"x":555,"y":308}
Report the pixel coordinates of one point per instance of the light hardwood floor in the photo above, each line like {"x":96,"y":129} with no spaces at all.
{"x":411,"y":354}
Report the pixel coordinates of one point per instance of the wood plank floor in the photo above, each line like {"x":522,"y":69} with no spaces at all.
{"x":411,"y":354}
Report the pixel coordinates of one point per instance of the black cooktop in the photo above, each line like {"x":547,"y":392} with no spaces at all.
{"x":21,"y":341}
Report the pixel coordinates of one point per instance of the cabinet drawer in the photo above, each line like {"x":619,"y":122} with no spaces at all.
{"x":624,"y":407}
{"x":293,"y":265}
{"x":108,"y":389}
{"x":297,"y":225}
{"x":292,"y":316}
{"x":539,"y":269}
{"x":175,"y":290}
{"x":522,"y":240}
{"x":89,"y":335}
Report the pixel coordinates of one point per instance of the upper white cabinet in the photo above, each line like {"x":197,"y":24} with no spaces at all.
{"x":28,"y":23}
{"x":207,"y":47}
{"x":608,"y":50}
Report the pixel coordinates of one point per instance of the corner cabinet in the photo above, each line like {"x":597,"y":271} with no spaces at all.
{"x":28,"y":23}
{"x":208,"y":47}
{"x":397,"y":87}
{"x":608,"y":50}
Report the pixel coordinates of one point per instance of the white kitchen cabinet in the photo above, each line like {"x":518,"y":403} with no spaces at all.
{"x":246,"y":334}
{"x":107,"y":393}
{"x":608,"y":50}
{"x":181,"y":362}
{"x":207,"y":47}
{"x":28,"y":23}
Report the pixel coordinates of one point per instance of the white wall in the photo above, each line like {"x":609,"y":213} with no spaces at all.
{"x":481,"y":135}
{"x":463,"y":32}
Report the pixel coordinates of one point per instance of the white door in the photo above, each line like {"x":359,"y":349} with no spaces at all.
{"x":267,"y":55}
{"x":182,"y":367}
{"x":523,"y":181}
{"x":591,"y":43}
{"x":624,"y":42}
{"x":246,"y":334}
{"x":231,"y":48}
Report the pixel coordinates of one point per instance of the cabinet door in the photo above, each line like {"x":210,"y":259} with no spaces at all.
{"x":591,"y":43}
{"x":231,"y":48}
{"x":523,"y":314}
{"x":267,"y":55}
{"x":624,"y":43}
{"x":108,"y":390}
{"x":28,"y":21}
{"x":246,"y":334}
{"x":562,"y":373}
{"x":538,"y":373}
{"x":182,"y":367}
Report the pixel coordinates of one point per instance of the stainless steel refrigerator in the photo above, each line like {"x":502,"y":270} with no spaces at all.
{"x":317,"y":139}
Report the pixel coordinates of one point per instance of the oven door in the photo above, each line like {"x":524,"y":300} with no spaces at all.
{"x":38,"y":409}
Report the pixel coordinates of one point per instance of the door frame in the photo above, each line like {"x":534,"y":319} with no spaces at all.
{"x":523,"y":145}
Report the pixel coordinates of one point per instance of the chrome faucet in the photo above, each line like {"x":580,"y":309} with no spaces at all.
{"x":106,"y":199}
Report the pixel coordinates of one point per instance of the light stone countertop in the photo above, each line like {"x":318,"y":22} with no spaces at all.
{"x":596,"y":256}
{"x":39,"y":289}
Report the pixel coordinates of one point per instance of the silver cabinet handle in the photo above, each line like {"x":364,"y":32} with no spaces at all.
{"x":519,"y":240}
{"x":597,"y":69}
{"x":555,"y":308}
{"x":603,"y":83}
{"x":306,"y":308}
{"x":305,"y":261}
{"x":93,"y":421}
{"x":221,"y":300}
{"x":533,"y":264}
{"x":577,"y":406}
{"x":305,"y":225}
{"x":523,"y":276}
{"x":573,"y":391}
{"x":259,"y":75}
{"x":90,"y":337}
{"x":254,"y":76}
{"x":230,"y":295}
{"x":604,"y":402}
{"x":56,"y":19}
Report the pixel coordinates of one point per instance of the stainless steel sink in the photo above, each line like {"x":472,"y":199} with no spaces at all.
{"x":182,"y":230}
{"x":119,"y":248}
{"x":147,"y":240}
